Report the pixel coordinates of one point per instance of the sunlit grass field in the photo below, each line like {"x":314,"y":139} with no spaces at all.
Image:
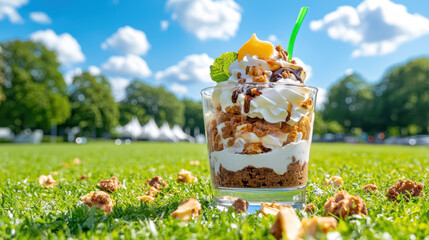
{"x":29,"y":211}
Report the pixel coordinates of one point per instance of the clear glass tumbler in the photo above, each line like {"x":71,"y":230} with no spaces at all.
{"x":259,"y":138}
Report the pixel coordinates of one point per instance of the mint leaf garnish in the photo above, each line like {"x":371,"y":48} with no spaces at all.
{"x":219,"y":69}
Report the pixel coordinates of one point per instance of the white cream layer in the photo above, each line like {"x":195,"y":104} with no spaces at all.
{"x":277,"y":159}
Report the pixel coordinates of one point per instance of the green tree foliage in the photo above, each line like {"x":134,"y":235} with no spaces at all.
{"x":93,"y":108}
{"x":34,"y":89}
{"x":403,"y":96}
{"x":321,"y":127}
{"x":127,"y":111}
{"x":193,"y":115}
{"x":350,"y":103}
{"x":155,"y":101}
{"x":2,"y":81}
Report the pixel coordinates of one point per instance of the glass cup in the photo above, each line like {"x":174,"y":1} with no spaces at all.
{"x":258,"y":139}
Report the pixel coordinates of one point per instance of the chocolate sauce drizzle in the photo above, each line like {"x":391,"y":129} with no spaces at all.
{"x":277,"y":75}
{"x":249,"y":91}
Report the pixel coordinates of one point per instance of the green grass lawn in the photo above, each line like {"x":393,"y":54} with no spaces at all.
{"x":28,"y":210}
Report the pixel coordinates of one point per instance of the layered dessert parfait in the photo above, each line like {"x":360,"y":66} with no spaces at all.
{"x":260,"y":126}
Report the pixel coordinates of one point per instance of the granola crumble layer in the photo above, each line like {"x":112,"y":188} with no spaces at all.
{"x":251,"y":177}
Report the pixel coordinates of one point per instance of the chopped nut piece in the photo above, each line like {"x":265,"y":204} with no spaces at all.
{"x":310,"y":226}
{"x":64,"y":165}
{"x":54,"y":173}
{"x":83,"y":177}
{"x":310,"y":208}
{"x":344,"y":204}
{"x":47,"y":181}
{"x":196,"y":163}
{"x":271,"y":208}
{"x":371,"y":188}
{"x":157,"y":183}
{"x":287,"y":224}
{"x":100,"y":199}
{"x":407,"y":188}
{"x":240,"y":205}
{"x":186,"y":176}
{"x":146,"y":198}
{"x":187,"y":210}
{"x":110,"y":185}
{"x":76,"y":161}
{"x":152,"y":192}
{"x":335,"y":181}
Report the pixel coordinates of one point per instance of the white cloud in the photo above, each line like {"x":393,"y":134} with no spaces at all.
{"x":376,"y":27}
{"x":207,"y":18}
{"x":322,"y":97}
{"x":127,"y":40}
{"x":8,"y":10}
{"x":178,"y":89}
{"x":94,"y":71}
{"x":67,"y":48}
{"x":193,"y":68}
{"x":69,"y":75}
{"x":349,"y":71}
{"x":307,"y":68}
{"x":40,"y":17}
{"x":118,"y":86}
{"x":126,"y":66}
{"x":273,"y":38}
{"x":164,"y":25}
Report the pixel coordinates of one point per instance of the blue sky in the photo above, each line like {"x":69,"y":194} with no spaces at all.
{"x":366,"y":37}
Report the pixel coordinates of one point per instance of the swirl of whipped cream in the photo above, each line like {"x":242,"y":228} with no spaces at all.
{"x":274,"y":102}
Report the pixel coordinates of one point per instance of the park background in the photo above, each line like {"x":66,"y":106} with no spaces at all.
{"x":96,"y":65}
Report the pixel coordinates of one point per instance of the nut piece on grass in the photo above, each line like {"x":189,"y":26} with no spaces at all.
{"x":152,"y":192}
{"x":270,"y":208}
{"x":287,"y":224}
{"x":157,"y":183}
{"x":311,"y":226}
{"x":47,"y":181}
{"x":99,"y":199}
{"x":76,"y":161}
{"x":83,"y":177}
{"x":145,"y":198}
{"x":240,"y":205}
{"x":110,"y":185}
{"x":370,"y":188}
{"x":186,"y":176}
{"x":196,"y":163}
{"x":335,"y":181}
{"x":310,"y":208}
{"x":187,"y":210}
{"x":407,"y":188}
{"x":344,"y":204}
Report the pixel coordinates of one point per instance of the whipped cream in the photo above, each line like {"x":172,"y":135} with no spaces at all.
{"x":277,"y":159}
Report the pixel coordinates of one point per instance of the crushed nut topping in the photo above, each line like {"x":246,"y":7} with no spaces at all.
{"x":187,"y":210}
{"x":287,"y":224}
{"x":270,"y":208}
{"x":83,"y":177}
{"x":76,"y":161}
{"x":99,"y":199}
{"x":240,"y":205}
{"x":344,"y":204}
{"x":335,"y":181}
{"x":371,"y":188}
{"x":186,"y":176}
{"x":196,"y":163}
{"x":311,"y":226}
{"x":406,"y":188}
{"x":282,"y":54}
{"x":152,"y":192}
{"x":110,"y":185}
{"x":47,"y":181}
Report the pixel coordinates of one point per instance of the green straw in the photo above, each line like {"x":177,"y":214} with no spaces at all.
{"x":295,"y":30}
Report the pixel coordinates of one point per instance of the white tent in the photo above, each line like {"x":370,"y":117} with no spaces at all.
{"x":166,"y":134}
{"x":6,"y":134}
{"x":150,"y":131}
{"x":133,"y":129}
{"x":181,"y":135}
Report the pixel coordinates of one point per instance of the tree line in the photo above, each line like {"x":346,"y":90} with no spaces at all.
{"x":397,"y":105}
{"x":34,"y":95}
